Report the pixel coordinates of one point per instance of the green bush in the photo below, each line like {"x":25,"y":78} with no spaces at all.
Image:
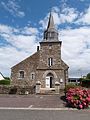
{"x":88,"y":76}
{"x":85,"y":82}
{"x":5,"y":82}
{"x":6,"y":78}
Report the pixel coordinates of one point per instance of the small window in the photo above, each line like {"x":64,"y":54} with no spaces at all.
{"x":50,"y":61}
{"x":33,"y":76}
{"x":21,"y":74}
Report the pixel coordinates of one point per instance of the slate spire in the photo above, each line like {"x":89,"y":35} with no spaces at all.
{"x":50,"y":34}
{"x":51,"y":22}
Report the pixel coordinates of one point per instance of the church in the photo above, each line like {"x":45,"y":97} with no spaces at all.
{"x":46,"y":65}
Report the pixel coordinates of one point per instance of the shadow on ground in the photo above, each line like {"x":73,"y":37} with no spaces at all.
{"x":63,"y":98}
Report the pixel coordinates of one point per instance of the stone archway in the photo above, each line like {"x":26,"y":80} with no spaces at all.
{"x":49,"y":77}
{"x":49,"y":80}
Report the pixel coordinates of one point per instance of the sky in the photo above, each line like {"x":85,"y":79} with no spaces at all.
{"x":22,"y":23}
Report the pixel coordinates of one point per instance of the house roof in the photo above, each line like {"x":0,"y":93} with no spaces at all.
{"x":1,"y":76}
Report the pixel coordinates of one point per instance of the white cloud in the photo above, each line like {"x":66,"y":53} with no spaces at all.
{"x":85,"y":17}
{"x":22,"y":44}
{"x":9,"y":56}
{"x":20,"y":14}
{"x":13,"y":8}
{"x":23,"y":38}
{"x":7,"y":29}
{"x":76,"y":49}
{"x":44,"y":22}
{"x":82,"y":0}
{"x":67,"y":14}
{"x":29,"y":30}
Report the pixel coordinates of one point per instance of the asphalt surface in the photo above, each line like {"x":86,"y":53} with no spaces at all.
{"x":38,"y":107}
{"x":44,"y":115}
{"x":31,"y":101}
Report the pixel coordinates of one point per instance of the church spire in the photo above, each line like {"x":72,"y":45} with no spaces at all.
{"x":51,"y":22}
{"x":50,"y":34}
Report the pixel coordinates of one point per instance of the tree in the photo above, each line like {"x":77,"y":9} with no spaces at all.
{"x":88,"y":76}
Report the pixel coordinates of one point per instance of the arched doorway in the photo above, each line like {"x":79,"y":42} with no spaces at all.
{"x":49,"y":80}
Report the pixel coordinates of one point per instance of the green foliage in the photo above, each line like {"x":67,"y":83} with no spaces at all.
{"x":6,"y":78}
{"x":88,"y":76}
{"x":5,"y":82}
{"x":85,"y":83}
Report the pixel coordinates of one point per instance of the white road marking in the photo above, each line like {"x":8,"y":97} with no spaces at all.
{"x":29,"y":108}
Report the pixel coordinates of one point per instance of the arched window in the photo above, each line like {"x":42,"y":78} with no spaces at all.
{"x":21,"y":74}
{"x":50,"y":61}
{"x":32,"y":76}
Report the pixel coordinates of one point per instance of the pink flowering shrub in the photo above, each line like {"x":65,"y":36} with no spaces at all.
{"x":78,"y":98}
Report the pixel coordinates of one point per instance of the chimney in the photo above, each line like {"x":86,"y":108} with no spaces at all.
{"x":37,"y":48}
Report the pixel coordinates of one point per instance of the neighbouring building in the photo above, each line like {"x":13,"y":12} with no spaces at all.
{"x":1,"y":76}
{"x":74,"y":80}
{"x":45,"y":65}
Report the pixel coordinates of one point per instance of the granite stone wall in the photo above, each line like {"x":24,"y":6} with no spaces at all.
{"x":38,"y":65}
{"x":29,"y":66}
{"x":4,"y":89}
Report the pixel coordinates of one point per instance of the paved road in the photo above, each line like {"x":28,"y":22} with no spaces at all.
{"x":44,"y":115}
{"x":34,"y":101}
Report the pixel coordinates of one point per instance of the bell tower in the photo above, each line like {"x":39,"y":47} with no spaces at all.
{"x":50,"y":48}
{"x":51,"y":67}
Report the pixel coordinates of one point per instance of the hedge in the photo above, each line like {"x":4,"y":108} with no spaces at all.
{"x":85,"y":82}
{"x":5,"y":82}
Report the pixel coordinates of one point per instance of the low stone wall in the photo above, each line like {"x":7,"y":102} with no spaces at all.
{"x":4,"y":89}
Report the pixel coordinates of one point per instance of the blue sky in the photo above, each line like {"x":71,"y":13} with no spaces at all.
{"x":22,"y":23}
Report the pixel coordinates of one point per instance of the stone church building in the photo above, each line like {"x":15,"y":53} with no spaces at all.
{"x":46,"y":65}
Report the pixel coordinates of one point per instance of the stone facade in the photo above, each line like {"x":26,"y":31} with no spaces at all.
{"x":29,"y":66}
{"x":45,"y":65}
